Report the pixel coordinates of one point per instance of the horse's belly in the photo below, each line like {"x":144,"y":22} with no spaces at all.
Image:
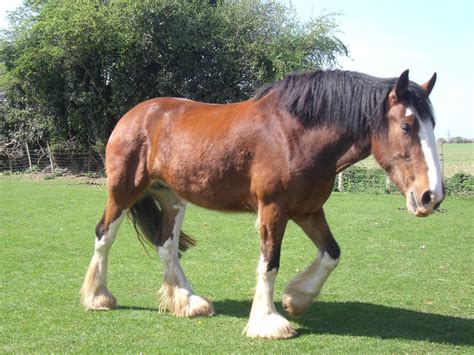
{"x":218,"y":189}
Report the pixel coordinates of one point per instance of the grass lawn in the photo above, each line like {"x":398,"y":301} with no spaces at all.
{"x":403,"y":285}
{"x":458,"y":157}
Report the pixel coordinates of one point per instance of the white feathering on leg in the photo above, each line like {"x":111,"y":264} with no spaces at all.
{"x":301,"y":291}
{"x":176,"y":294}
{"x":94,"y":292}
{"x":264,"y":320}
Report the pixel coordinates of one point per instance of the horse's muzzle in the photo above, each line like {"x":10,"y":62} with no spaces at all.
{"x":425,"y":204}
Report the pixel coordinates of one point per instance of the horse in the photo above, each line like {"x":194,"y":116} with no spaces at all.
{"x":276,"y":154}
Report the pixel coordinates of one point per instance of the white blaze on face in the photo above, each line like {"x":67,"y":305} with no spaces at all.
{"x":428,"y":145}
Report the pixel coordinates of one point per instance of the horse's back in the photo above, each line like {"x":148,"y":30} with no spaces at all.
{"x":205,"y":153}
{"x":202,"y":151}
{"x":223,"y":157}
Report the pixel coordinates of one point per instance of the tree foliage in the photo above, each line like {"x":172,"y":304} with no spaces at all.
{"x":72,"y":68}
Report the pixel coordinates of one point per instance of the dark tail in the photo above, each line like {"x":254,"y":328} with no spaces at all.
{"x":147,"y":220}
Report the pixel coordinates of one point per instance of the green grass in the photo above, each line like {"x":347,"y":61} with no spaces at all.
{"x":403,"y":285}
{"x":458,"y":157}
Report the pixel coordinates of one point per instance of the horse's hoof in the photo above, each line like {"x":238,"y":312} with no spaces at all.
{"x":270,"y":326}
{"x":182,"y":303}
{"x":200,"y":307}
{"x":296,"y":303}
{"x":103,"y":300}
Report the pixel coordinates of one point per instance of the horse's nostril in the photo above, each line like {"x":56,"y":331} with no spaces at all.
{"x":426,"y":198}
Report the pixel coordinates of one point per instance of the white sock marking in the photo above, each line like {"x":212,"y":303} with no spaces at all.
{"x":100,"y":257}
{"x":264,"y":320}
{"x":264,"y":291}
{"x":103,"y":245}
{"x":313,"y":278}
{"x":169,"y":252}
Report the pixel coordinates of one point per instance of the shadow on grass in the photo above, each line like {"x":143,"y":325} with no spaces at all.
{"x":136,"y":308}
{"x":370,"y":320}
{"x":362,"y":319}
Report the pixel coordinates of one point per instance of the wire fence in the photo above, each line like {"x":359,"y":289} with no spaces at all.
{"x":45,"y":161}
{"x":455,"y":158}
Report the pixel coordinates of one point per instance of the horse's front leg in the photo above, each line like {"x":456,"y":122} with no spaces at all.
{"x":265,"y":321}
{"x":307,"y":285}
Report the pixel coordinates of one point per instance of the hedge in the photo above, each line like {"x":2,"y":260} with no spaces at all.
{"x":360,"y":179}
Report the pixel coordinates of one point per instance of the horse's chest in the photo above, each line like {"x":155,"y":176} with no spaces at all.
{"x":308,"y":191}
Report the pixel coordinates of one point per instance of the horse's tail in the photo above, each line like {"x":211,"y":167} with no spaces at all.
{"x":146,"y":217}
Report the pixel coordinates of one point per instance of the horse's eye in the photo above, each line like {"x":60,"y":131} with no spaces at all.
{"x":405,"y":127}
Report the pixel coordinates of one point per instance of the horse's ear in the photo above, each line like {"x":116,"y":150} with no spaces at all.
{"x":402,"y":85}
{"x":428,"y":86}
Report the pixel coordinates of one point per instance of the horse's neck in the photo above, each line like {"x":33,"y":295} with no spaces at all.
{"x":359,"y":150}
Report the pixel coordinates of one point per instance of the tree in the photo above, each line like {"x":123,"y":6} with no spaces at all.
{"x":79,"y":65}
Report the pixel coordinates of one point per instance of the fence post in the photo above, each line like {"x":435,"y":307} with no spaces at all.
{"x":340,"y":182}
{"x":28,"y":155}
{"x":89,"y":159}
{"x":387,"y":184}
{"x":50,"y":157}
{"x":10,"y":164}
{"x":441,"y":155}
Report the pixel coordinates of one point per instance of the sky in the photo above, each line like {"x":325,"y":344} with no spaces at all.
{"x":424,"y":36}
{"x":386,"y":37}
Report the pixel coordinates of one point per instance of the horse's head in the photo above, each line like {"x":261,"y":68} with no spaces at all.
{"x":407,"y":150}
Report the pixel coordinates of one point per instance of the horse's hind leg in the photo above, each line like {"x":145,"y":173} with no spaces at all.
{"x":94,"y":292}
{"x":307,"y":285}
{"x":176,"y":294}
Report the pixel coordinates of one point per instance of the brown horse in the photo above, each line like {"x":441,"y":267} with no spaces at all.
{"x":276,"y":154}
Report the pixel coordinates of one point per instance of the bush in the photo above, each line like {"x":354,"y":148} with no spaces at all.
{"x":71,"y":69}
{"x":33,"y":170}
{"x":460,"y":184}
{"x":359,"y":179}
{"x":94,"y":174}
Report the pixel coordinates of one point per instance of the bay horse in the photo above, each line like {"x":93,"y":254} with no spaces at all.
{"x":276,"y":154}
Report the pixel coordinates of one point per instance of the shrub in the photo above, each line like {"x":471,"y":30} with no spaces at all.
{"x":359,"y":179}
{"x":33,"y":170}
{"x":460,"y":184}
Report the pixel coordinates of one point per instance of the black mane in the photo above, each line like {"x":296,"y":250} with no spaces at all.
{"x":355,"y":102}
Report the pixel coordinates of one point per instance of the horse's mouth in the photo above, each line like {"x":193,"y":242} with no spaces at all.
{"x":414,"y":207}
